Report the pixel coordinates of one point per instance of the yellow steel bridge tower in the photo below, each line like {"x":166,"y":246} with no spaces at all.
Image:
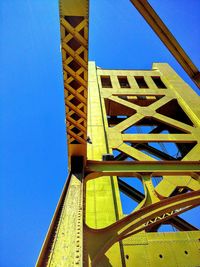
{"x":114,"y":119}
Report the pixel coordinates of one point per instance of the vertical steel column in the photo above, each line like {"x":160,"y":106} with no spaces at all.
{"x":63,"y":243}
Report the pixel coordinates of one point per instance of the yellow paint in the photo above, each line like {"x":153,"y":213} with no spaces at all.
{"x":74,"y":44}
{"x":84,"y":231}
{"x":102,"y":208}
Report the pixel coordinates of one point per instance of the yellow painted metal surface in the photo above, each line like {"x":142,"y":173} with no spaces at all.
{"x":74,"y":45}
{"x":163,"y":249}
{"x":167,"y":38}
{"x":63,"y":243}
{"x":89,"y":227}
{"x":99,"y":192}
{"x":138,"y":247}
{"x":103,"y":205}
{"x":67,"y":244}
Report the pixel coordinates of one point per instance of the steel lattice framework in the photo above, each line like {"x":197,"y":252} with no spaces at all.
{"x":114,"y":119}
{"x":74,"y":41}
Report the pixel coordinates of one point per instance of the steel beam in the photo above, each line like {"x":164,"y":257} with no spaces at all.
{"x":128,"y":168}
{"x":140,"y":220}
{"x":47,"y":245}
{"x":167,"y":38}
{"x":74,"y":47}
{"x":130,"y":191}
{"x":134,"y":194}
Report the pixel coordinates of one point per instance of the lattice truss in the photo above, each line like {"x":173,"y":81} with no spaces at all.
{"x":148,"y":124}
{"x":74,"y":40}
{"x":151,"y":125}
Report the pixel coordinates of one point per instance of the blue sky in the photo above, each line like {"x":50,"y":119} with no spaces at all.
{"x":33,"y":152}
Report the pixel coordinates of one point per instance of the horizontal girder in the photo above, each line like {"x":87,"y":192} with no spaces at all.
{"x":128,"y":168}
